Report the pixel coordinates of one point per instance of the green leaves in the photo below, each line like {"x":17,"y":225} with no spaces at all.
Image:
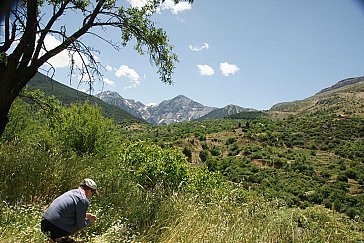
{"x":150,"y":40}
{"x":83,"y":129}
{"x":152,"y":165}
{"x":81,"y":4}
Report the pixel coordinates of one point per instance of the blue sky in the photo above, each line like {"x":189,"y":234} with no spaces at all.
{"x":251,"y":53}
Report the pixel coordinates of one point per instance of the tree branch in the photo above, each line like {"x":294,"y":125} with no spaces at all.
{"x":27,"y":42}
{"x":69,"y":40}
{"x":47,"y":28}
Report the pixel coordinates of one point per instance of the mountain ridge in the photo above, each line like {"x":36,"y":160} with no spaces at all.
{"x":344,"y":97}
{"x":69,"y":95}
{"x":342,"y":84}
{"x":225,"y":111}
{"x":177,"y":109}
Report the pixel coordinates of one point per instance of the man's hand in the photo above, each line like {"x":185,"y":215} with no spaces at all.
{"x":91,"y":217}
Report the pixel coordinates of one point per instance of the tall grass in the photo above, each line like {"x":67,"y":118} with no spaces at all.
{"x":187,"y":218}
{"x":28,"y":173}
{"x":184,"y":218}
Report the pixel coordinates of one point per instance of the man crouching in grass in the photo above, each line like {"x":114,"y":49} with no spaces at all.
{"x":68,"y":213}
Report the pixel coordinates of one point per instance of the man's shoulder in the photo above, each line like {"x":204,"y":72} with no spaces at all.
{"x":76,"y":193}
{"x":73,"y":192}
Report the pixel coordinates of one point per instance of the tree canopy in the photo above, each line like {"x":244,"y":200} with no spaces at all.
{"x":23,"y":49}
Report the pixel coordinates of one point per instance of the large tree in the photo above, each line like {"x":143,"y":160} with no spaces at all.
{"x":23,"y":47}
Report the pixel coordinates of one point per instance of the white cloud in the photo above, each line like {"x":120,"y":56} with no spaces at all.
{"x":108,"y":68}
{"x":61,"y":60}
{"x":205,"y":70}
{"x":166,"y":5}
{"x":138,"y":3}
{"x":109,"y":81}
{"x":199,"y":48}
{"x":228,"y":69}
{"x":175,"y":8}
{"x":131,"y":74}
{"x":132,"y":85}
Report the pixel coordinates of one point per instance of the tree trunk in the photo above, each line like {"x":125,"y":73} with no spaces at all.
{"x":10,"y":87}
{"x":4,"y":111}
{"x":5,"y":104}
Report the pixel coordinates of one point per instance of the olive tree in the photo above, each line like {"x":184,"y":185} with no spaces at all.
{"x":25,"y":28}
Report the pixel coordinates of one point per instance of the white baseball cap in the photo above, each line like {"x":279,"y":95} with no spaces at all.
{"x":89,"y":183}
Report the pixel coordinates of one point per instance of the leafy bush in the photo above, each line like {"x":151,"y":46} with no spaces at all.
{"x":151,"y":166}
{"x":83,"y":129}
{"x":187,"y":150}
{"x":204,"y":155}
{"x":215,"y":151}
{"x":230,"y":140}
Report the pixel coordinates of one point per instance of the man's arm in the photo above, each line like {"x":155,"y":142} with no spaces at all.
{"x":81,"y":209}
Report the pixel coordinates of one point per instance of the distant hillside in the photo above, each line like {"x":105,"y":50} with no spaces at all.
{"x":225,"y":112}
{"x":345,"y":97}
{"x":342,"y":84}
{"x":68,"y":96}
{"x":249,"y":115}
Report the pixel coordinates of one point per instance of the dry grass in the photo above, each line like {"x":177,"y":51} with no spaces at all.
{"x":256,"y":220}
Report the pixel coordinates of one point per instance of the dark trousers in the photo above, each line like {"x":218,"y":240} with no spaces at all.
{"x":53,"y":231}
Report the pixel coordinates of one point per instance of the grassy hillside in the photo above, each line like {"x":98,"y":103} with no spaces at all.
{"x":224,"y":112}
{"x":68,"y":96}
{"x":344,"y":98}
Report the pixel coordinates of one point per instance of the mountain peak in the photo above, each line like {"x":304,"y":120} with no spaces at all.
{"x":182,"y":98}
{"x":108,"y":93}
{"x":128,"y":105}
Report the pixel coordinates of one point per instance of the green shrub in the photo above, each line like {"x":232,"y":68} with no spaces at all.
{"x":215,"y":151}
{"x":204,"y":155}
{"x":230,"y":140}
{"x":151,"y":166}
{"x":187,"y":150}
{"x":83,"y":129}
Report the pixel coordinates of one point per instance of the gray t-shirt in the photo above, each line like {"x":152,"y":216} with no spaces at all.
{"x":68,"y":211}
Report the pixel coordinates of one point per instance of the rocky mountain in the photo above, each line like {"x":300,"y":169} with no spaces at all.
{"x":178,"y":109}
{"x":225,"y":112}
{"x":133,"y":107}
